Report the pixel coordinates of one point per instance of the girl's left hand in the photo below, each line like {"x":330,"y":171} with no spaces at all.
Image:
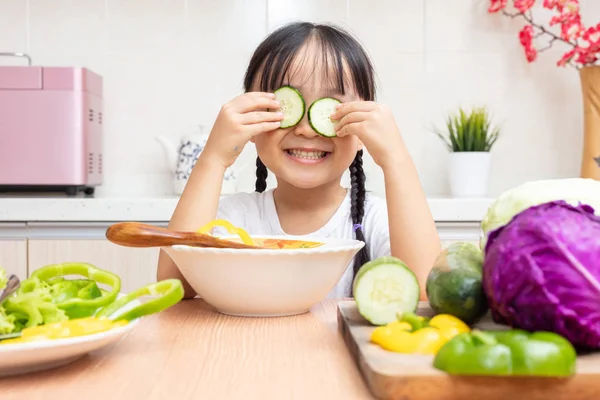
{"x":374,"y":125}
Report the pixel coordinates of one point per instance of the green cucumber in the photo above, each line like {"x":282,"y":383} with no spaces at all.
{"x":454,"y":283}
{"x":292,"y":105}
{"x":319,"y":116}
{"x":384,"y":288}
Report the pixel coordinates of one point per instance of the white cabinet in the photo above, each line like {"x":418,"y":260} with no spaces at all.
{"x":13,"y":257}
{"x":451,"y":232}
{"x":51,"y":243}
{"x":136,"y":267}
{"x":25,"y":247}
{"x":13,"y":248}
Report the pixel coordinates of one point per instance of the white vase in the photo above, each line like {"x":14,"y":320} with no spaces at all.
{"x":469,"y":173}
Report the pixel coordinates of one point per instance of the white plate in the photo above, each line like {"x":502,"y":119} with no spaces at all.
{"x":21,"y":358}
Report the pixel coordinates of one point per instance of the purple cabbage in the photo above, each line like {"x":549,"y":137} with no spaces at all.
{"x":542,"y":272}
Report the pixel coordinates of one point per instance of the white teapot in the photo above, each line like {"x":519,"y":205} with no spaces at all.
{"x":181,"y":160}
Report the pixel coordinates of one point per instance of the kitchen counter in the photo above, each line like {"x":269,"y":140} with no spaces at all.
{"x":63,"y":209}
{"x":36,"y":231}
{"x":191,"y":352}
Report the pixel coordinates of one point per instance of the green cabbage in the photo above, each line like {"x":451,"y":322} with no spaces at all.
{"x":513,"y":201}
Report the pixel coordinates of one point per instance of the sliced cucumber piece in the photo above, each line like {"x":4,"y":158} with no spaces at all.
{"x":319,"y":116}
{"x":385,"y":287}
{"x":292,"y":105}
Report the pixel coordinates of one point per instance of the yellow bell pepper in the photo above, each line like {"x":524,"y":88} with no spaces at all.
{"x":66,"y":329}
{"x":246,"y":239}
{"x":417,"y":334}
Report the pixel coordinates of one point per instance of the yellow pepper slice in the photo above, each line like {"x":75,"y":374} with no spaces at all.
{"x":66,"y":329}
{"x":449,"y":325}
{"x":416,"y":334}
{"x":234,"y":230}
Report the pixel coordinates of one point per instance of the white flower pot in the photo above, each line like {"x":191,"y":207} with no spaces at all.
{"x":469,"y":173}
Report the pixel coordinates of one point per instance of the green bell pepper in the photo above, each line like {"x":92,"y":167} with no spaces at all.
{"x":79,"y":297}
{"x":512,"y":352}
{"x":167,"y":293}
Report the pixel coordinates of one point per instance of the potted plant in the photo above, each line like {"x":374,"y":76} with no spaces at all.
{"x":469,"y":137}
{"x":582,"y":49}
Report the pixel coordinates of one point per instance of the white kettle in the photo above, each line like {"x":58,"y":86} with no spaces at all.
{"x":182,"y":159}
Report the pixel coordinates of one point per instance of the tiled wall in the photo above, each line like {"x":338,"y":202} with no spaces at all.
{"x":168,"y":65}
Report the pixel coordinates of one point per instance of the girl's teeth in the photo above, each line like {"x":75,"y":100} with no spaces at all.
{"x":311,"y":155}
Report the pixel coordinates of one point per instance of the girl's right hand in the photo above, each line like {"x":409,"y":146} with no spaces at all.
{"x":238,"y":121}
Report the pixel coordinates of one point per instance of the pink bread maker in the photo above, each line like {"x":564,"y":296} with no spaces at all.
{"x":50,"y":128}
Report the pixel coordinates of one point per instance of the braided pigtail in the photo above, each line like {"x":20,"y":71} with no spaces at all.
{"x":357,"y":210}
{"x":261,"y":176}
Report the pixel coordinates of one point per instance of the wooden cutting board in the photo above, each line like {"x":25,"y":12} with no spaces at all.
{"x":405,"y":376}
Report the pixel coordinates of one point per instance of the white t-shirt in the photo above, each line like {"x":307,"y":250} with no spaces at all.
{"x":256,"y":213}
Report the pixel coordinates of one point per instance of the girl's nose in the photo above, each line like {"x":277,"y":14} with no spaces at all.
{"x":304,"y":129}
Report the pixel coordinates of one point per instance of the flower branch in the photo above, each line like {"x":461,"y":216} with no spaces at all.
{"x":583,"y":43}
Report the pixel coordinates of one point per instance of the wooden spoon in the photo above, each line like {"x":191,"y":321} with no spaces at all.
{"x":135,"y":234}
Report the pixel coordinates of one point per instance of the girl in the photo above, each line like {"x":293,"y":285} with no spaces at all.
{"x":319,"y":61}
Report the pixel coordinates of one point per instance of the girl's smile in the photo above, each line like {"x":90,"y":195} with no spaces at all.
{"x":307,"y":155}
{"x":307,"y":151}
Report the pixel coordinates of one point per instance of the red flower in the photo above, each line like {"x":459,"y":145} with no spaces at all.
{"x":550,"y":4}
{"x":497,"y":5}
{"x":524,"y":5}
{"x":530,"y":54}
{"x":565,"y":15}
{"x":571,"y":28}
{"x":564,"y":8}
{"x":586,"y":55}
{"x":526,"y":39}
{"x":568,"y":56}
{"x":526,"y":35}
{"x":589,"y":49}
{"x":592,"y":34}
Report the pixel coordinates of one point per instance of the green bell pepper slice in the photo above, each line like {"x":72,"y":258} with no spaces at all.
{"x":79,"y":298}
{"x":513,"y":352}
{"x":167,"y":293}
{"x":65,"y":289}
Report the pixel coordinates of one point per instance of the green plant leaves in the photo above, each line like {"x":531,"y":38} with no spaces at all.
{"x":469,"y":132}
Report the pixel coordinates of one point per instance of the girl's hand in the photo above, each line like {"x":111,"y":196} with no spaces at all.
{"x":374,"y":125}
{"x":238,"y":121}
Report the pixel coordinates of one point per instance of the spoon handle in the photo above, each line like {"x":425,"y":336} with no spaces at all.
{"x":135,"y":234}
{"x":12,"y":284}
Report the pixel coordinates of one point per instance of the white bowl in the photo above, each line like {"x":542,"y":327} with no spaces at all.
{"x":265,"y":282}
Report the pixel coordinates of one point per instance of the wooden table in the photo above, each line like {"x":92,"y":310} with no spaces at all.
{"x":192,"y":352}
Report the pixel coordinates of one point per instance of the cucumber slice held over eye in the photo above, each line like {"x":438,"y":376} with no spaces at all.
{"x":319,"y":116}
{"x":292,"y":105}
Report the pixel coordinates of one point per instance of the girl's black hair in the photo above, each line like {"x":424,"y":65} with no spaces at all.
{"x":269,"y":68}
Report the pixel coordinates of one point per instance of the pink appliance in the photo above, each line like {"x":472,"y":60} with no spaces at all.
{"x":50,"y":128}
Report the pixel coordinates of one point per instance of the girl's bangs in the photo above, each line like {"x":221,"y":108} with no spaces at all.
{"x":283,"y":67}
{"x":339,"y":58}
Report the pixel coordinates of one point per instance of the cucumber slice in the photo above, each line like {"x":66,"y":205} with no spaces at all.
{"x":292,"y":105}
{"x":385,"y":287}
{"x":319,"y":114}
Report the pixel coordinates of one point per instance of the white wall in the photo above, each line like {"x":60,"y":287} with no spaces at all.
{"x":168,"y":65}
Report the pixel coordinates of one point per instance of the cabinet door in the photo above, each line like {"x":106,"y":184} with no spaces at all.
{"x":135,"y":266}
{"x":13,"y":257}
